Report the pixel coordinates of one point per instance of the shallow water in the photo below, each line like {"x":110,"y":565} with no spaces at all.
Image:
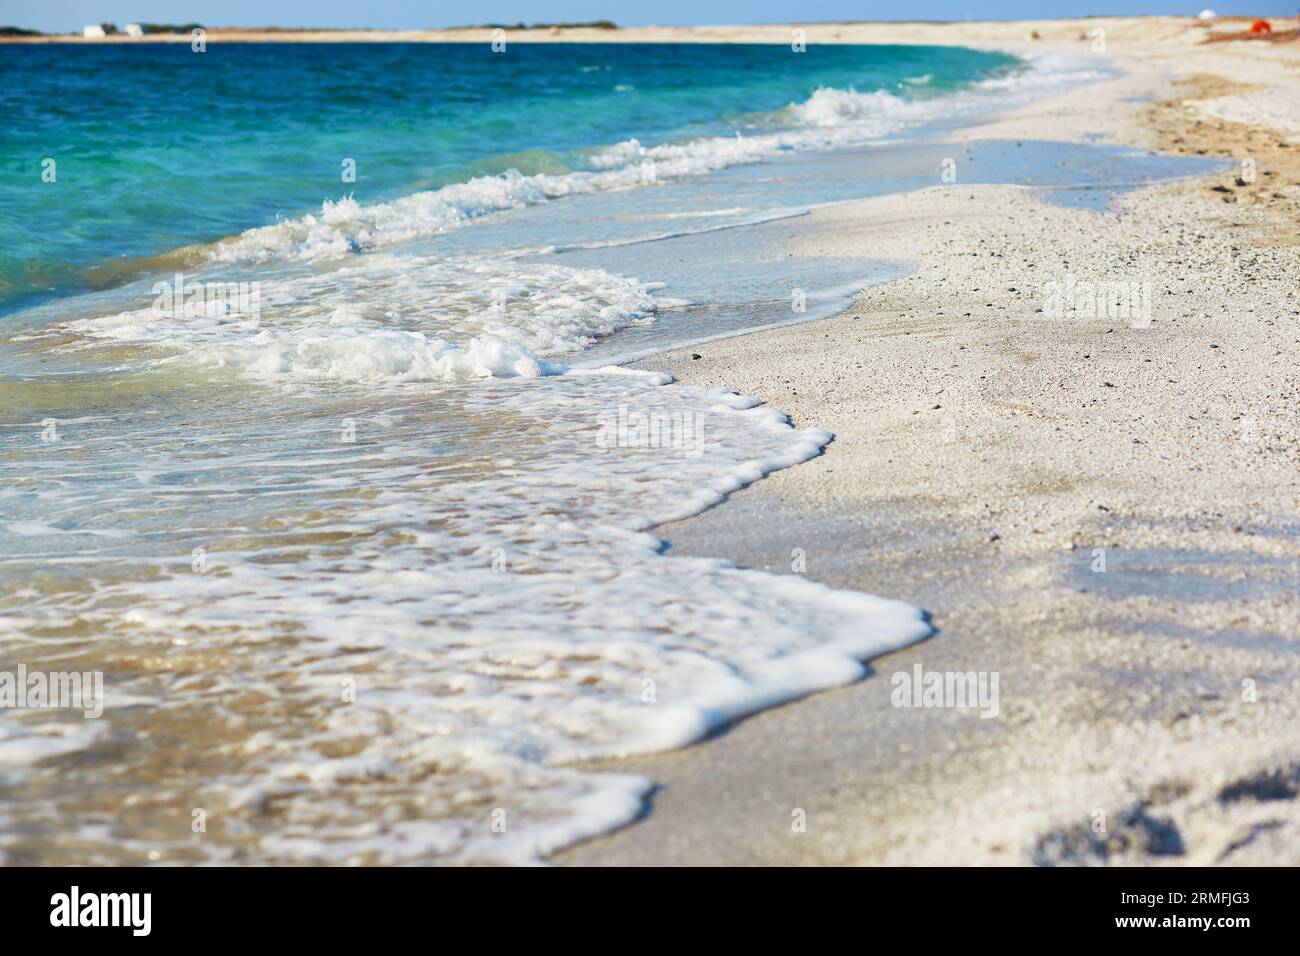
{"x":156,"y":147}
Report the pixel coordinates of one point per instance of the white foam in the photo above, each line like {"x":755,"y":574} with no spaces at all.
{"x":500,"y":624}
{"x":356,"y":355}
{"x":392,"y":318}
{"x":23,"y":743}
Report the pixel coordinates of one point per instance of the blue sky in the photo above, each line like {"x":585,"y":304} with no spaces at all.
{"x":70,"y":15}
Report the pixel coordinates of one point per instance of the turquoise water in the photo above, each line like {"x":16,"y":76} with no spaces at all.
{"x":159,"y":147}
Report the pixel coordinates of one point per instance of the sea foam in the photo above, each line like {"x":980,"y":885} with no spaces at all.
{"x":390,"y":318}
{"x":398,"y":642}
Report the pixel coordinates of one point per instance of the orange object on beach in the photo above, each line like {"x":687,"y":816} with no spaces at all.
{"x":1261,"y":26}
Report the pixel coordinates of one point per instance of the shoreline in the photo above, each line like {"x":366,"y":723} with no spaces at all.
{"x":982,"y":455}
{"x":938,"y":32}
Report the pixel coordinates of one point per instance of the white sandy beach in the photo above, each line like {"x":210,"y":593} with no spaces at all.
{"x":986,"y":453}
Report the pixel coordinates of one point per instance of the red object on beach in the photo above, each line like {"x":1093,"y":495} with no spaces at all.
{"x":1261,"y":26}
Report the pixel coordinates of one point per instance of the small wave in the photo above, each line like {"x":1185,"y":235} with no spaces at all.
{"x":381,"y":355}
{"x":829,"y":119}
{"x":829,"y":107}
{"x":394,"y":319}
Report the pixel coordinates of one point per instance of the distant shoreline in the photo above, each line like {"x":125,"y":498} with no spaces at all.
{"x":936,"y":31}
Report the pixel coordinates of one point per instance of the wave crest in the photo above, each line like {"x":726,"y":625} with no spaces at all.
{"x":830,"y":118}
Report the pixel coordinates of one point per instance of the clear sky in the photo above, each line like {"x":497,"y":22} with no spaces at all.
{"x":71,"y":15}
